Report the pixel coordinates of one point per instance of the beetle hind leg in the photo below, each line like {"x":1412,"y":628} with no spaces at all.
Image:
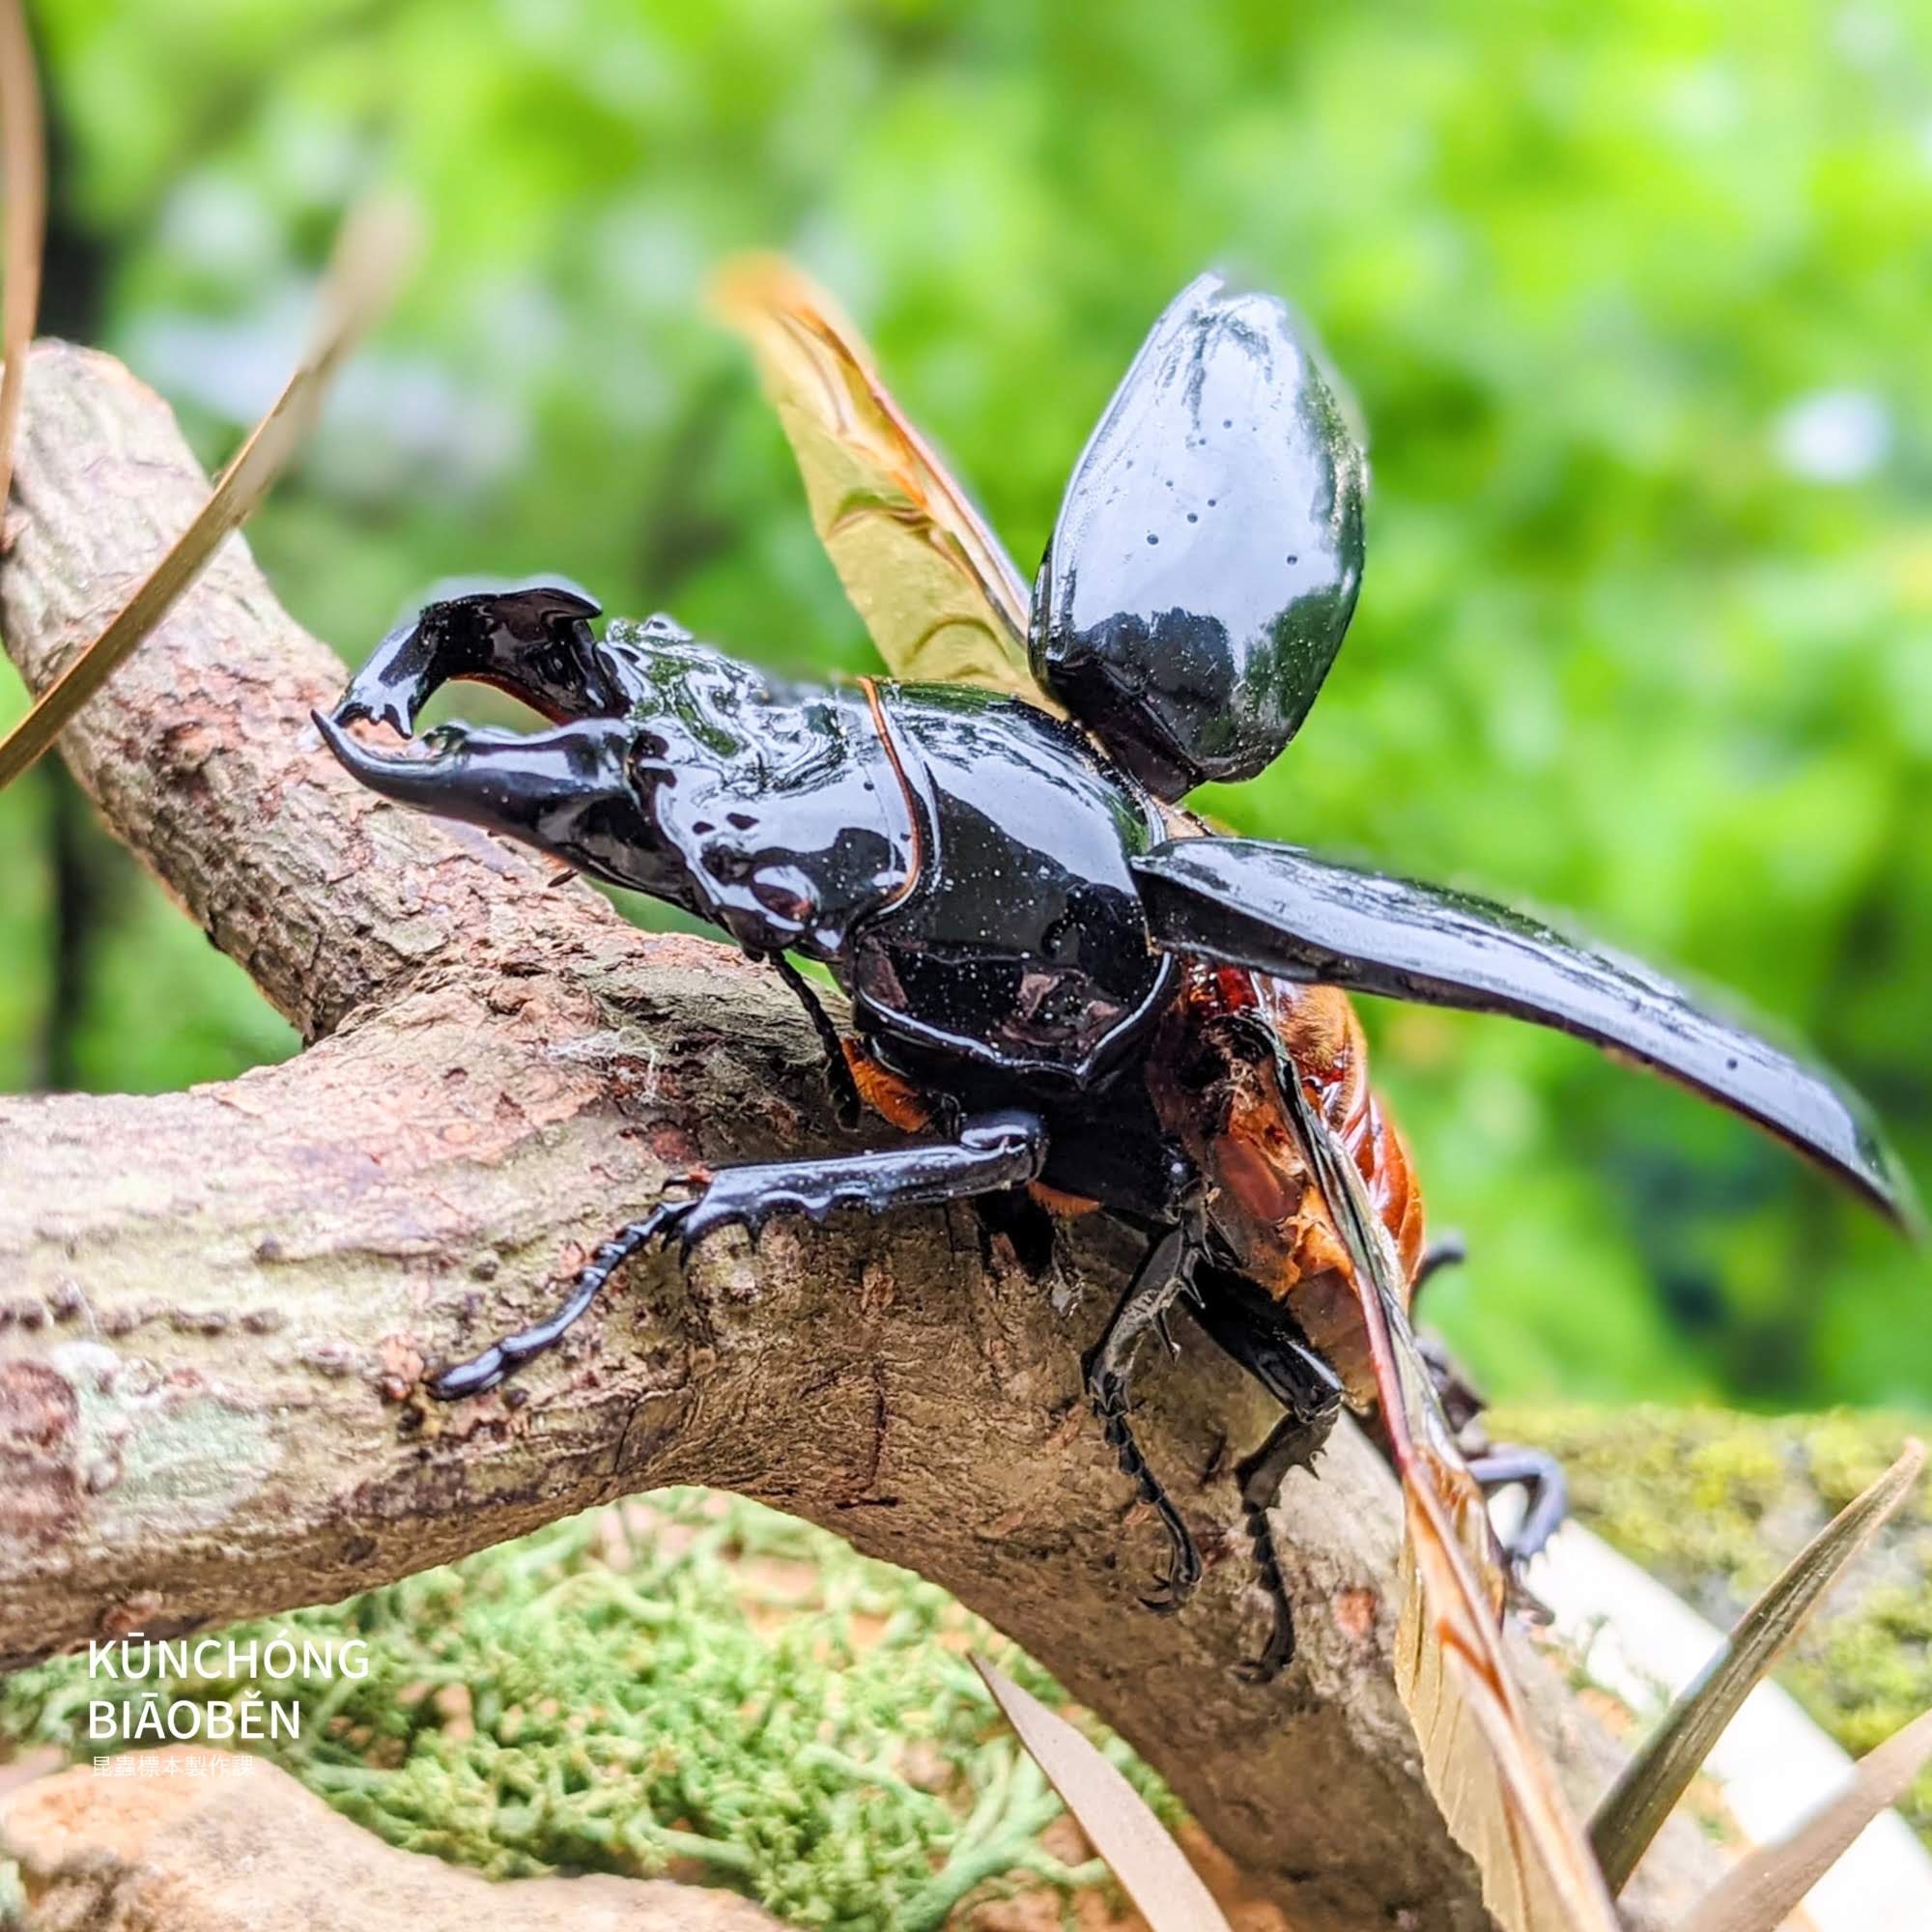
{"x":1507,"y":1465}
{"x":991,"y":1150}
{"x":1270,"y":1348}
{"x":1165,"y":1273}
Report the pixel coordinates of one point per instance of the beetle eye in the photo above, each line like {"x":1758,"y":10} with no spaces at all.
{"x":785,"y":890}
{"x":649,"y":767}
{"x":727,"y":863}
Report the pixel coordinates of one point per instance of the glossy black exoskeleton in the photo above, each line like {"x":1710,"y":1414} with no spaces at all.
{"x":1060,"y":975}
{"x":1223,"y":460}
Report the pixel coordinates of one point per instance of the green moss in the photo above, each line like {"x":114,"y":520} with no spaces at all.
{"x":700,"y":1686}
{"x":1714,"y":1504}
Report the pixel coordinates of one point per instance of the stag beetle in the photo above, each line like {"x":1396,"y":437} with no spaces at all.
{"x":1059,"y":977}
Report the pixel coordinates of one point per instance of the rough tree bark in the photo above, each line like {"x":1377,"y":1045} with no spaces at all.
{"x":215,"y":1306}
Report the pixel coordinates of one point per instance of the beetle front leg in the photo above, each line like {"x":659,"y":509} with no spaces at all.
{"x":1165,"y":1273}
{"x":482,"y":1373}
{"x":993,"y":1150}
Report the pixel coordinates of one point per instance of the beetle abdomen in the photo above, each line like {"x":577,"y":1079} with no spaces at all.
{"x":1216,"y":1086}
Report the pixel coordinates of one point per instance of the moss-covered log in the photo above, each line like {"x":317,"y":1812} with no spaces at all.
{"x":1716,"y":1503}
{"x":215,"y":1306}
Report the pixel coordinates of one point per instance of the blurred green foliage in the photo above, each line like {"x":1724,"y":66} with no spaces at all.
{"x":1632,"y":294}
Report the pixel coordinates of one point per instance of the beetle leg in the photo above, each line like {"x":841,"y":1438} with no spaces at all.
{"x":847,"y":1108}
{"x":992,"y":1151}
{"x":1273,"y":1350}
{"x":1542,"y":1475}
{"x":1166,"y":1271}
{"x":505,"y":1358}
{"x":1498,"y":1466}
{"x":1292,"y":1443}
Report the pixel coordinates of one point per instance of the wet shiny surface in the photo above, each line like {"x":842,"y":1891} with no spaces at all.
{"x":1208,"y":549}
{"x":1282,"y":910}
{"x":1023,"y":943}
{"x":767,"y":808}
{"x":780,"y":799}
{"x":565,"y":791}
{"x":533,"y":640}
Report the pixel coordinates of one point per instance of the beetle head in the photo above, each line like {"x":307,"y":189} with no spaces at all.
{"x":674,"y":770}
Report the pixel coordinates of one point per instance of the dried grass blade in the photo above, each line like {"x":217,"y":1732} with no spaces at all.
{"x":1117,"y":1819}
{"x":1635,"y":1806}
{"x":372,"y":252}
{"x":1761,"y":1892}
{"x":23,"y":154}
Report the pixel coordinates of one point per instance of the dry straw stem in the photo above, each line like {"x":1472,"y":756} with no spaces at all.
{"x":1119,"y":1822}
{"x":215,"y":1306}
{"x":375,"y":246}
{"x":23,"y":155}
{"x":1657,"y":1777}
{"x":1768,"y":1885}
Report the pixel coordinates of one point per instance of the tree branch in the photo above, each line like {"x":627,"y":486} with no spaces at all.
{"x":215,"y":1306}
{"x":200,"y":753}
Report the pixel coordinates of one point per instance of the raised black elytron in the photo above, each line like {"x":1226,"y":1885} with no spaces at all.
{"x":1058,"y":978}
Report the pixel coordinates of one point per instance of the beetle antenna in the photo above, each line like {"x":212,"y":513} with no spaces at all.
{"x":1445,"y":1251}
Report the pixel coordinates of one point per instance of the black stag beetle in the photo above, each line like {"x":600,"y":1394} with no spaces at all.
{"x":1062,"y":978}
